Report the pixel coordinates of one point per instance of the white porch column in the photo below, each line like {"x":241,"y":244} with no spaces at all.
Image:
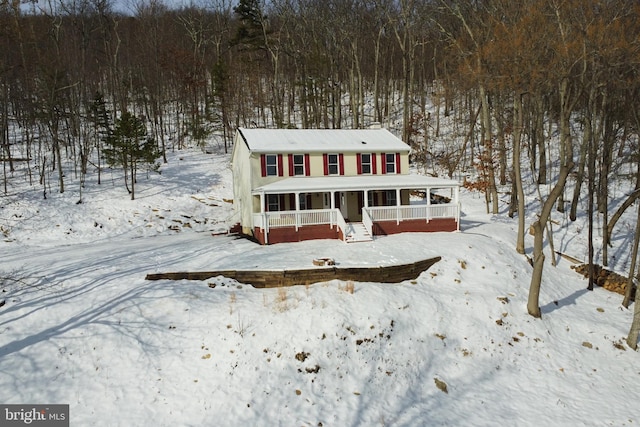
{"x":265,"y":219}
{"x":457,"y":201}
{"x":366,"y":198}
{"x":398,"y":203}
{"x":297,"y":209}
{"x":333,"y":200}
{"x":428,"y":197}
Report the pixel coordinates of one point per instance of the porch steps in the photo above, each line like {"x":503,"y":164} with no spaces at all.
{"x":357,"y":232}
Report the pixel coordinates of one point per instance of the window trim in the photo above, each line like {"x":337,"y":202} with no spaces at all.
{"x":270,"y":203}
{"x":368,"y":164}
{"x":330,"y":164}
{"x":302,"y":164}
{"x":391,"y":163}
{"x":390,"y":196}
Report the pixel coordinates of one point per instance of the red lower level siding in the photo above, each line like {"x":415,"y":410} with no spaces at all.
{"x":414,"y":226}
{"x":289,"y":234}
{"x":314,"y":232}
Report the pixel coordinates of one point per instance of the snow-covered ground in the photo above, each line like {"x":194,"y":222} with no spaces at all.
{"x":83,"y":327}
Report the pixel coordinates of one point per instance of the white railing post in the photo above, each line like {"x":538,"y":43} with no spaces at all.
{"x":340,"y":222}
{"x":367,"y":222}
{"x":265,"y":219}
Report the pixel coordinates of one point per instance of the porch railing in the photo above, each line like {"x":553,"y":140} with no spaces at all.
{"x":367,"y":222}
{"x":401,"y":213}
{"x":294,"y":218}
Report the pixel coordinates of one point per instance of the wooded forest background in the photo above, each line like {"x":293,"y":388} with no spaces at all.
{"x":551,"y":83}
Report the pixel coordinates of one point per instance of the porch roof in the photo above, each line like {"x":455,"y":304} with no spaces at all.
{"x":354,"y":183}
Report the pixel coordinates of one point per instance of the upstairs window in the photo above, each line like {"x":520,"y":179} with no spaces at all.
{"x":365,"y":164}
{"x":390,"y":163}
{"x":332,"y":164}
{"x":271,"y":164}
{"x":298,"y":164}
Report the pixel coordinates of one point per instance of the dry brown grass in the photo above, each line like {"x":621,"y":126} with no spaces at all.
{"x":232,"y":301}
{"x":348,"y":287}
{"x":282,"y":295}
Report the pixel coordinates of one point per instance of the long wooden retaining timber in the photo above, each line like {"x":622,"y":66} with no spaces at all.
{"x":277,"y":278}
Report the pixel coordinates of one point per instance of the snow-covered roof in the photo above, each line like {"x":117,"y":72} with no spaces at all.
{"x":321,"y":140}
{"x":355,"y":183}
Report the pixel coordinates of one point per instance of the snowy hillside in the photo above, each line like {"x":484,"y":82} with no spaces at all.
{"x":455,"y":347}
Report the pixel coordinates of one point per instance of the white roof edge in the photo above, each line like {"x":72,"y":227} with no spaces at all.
{"x":355,"y":183}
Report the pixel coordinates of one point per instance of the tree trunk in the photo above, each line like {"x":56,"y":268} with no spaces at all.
{"x":541,"y":147}
{"x":533,"y":305}
{"x":592,"y":178}
{"x":573,"y":211}
{"x":634,"y":259}
{"x":492,"y":191}
{"x":632,"y":339}
{"x":517,"y":172}
{"x":533,"y":302}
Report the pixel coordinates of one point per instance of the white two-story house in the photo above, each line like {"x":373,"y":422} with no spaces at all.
{"x":299,"y":184}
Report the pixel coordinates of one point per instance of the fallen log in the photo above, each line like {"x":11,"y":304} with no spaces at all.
{"x":278,"y":278}
{"x":605,"y":278}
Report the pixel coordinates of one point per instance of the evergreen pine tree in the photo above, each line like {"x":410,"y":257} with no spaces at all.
{"x":128,"y":146}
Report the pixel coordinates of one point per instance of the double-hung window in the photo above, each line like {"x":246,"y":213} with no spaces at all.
{"x":390,"y":163}
{"x":271,"y":162}
{"x":365,"y":163}
{"x":390,"y":198}
{"x":273,"y":202}
{"x":304,"y":203}
{"x":298,"y":164}
{"x":333,"y":165}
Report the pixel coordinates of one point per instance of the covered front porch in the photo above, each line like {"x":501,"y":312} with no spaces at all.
{"x":353,"y":208}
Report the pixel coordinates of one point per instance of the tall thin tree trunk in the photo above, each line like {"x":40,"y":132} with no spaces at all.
{"x":629,"y":292}
{"x":632,"y":338}
{"x":492,"y":190}
{"x":517,"y":172}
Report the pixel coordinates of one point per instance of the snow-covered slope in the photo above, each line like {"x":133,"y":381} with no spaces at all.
{"x":83,"y":327}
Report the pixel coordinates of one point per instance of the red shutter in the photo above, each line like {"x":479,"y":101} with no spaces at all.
{"x":375,"y":198}
{"x":325,"y":160}
{"x":266,"y":203}
{"x":341,"y":162}
{"x":383,"y":158}
{"x":307,"y":165}
{"x":374,"y":164}
{"x":292,"y":202}
{"x":263,"y":164}
{"x":397,"y":163}
{"x":337,"y":198}
{"x":359,"y":160}
{"x":280,"y":171}
{"x":384,"y":198}
{"x":281,"y":207}
{"x":309,"y":202}
{"x":291,"y":170}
